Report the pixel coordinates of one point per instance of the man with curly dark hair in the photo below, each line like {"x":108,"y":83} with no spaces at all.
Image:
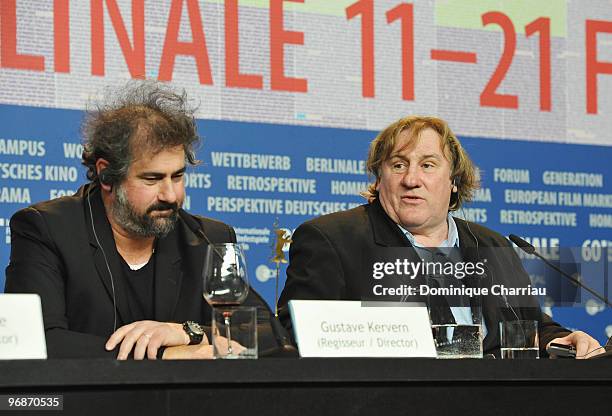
{"x":117,"y":268}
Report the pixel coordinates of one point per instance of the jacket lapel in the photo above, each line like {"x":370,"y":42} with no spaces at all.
{"x":106,"y":258}
{"x":388,"y":234}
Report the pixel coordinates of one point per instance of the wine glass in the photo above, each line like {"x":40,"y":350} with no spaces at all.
{"x":225,"y":282}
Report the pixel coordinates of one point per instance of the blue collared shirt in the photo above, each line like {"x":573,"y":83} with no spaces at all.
{"x":451,"y":241}
{"x":462,"y":315}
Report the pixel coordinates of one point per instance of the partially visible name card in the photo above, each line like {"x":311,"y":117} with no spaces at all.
{"x":22,"y":334}
{"x":326,"y":328}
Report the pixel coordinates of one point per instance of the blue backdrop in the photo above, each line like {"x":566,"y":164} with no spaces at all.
{"x":322,"y":170}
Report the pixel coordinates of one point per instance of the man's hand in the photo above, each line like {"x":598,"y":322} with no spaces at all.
{"x":586,"y":346}
{"x":189,"y":352}
{"x":145,"y":337}
{"x":202,"y":351}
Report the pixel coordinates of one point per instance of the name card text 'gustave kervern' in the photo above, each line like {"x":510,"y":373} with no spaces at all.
{"x":350,"y":329}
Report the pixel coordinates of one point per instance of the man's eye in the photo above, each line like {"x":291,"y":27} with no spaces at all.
{"x":398,"y":166}
{"x":178,"y":178}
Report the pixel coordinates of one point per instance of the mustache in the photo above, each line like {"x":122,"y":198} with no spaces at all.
{"x":163,"y":206}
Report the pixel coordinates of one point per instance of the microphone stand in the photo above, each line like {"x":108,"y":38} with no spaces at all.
{"x":529,"y":249}
{"x":285,"y":348}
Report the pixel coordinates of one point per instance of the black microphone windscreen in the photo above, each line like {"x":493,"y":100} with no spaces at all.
{"x":522,"y":244}
{"x":191,"y":223}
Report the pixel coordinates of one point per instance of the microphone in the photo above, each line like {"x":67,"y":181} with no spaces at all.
{"x":193,"y":225}
{"x":285,"y":348}
{"x":279,"y":332}
{"x":524,"y":245}
{"x":529,"y":249}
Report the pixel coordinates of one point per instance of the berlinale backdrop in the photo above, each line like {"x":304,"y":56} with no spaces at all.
{"x":290,"y":92}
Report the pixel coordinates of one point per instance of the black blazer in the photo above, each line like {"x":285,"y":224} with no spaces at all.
{"x":328,"y":253}
{"x":55,"y":253}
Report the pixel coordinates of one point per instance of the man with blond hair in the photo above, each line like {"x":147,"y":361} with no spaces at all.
{"x":421,"y":175}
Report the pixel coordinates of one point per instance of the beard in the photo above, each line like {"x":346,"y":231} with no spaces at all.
{"x":143,"y":225}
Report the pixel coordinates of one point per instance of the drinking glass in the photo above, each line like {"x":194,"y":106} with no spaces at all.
{"x":226,"y":284}
{"x":519,"y":340}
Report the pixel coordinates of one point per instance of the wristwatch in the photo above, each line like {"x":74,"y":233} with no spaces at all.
{"x":194,"y":331}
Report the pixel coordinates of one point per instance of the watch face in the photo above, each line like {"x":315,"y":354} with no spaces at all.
{"x":195,"y":327}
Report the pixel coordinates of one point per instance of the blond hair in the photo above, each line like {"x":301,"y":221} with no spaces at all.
{"x":463,"y":172}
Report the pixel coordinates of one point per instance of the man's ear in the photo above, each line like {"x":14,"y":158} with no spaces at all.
{"x":101,"y":166}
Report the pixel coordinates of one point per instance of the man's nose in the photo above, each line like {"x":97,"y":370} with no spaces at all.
{"x":411,"y":177}
{"x":167,"y":192}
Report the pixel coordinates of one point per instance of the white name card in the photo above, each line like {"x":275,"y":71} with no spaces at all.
{"x":22,"y":334}
{"x":350,"y":329}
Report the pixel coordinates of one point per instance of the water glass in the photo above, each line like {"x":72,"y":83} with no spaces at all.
{"x":519,"y":339}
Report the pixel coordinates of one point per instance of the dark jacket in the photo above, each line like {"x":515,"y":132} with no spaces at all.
{"x":328,"y":254}
{"x":56,"y":253}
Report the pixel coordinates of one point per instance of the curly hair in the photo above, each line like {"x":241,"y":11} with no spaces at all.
{"x":146,"y":116}
{"x":463,"y":170}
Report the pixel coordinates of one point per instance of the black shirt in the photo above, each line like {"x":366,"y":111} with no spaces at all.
{"x":141,"y":289}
